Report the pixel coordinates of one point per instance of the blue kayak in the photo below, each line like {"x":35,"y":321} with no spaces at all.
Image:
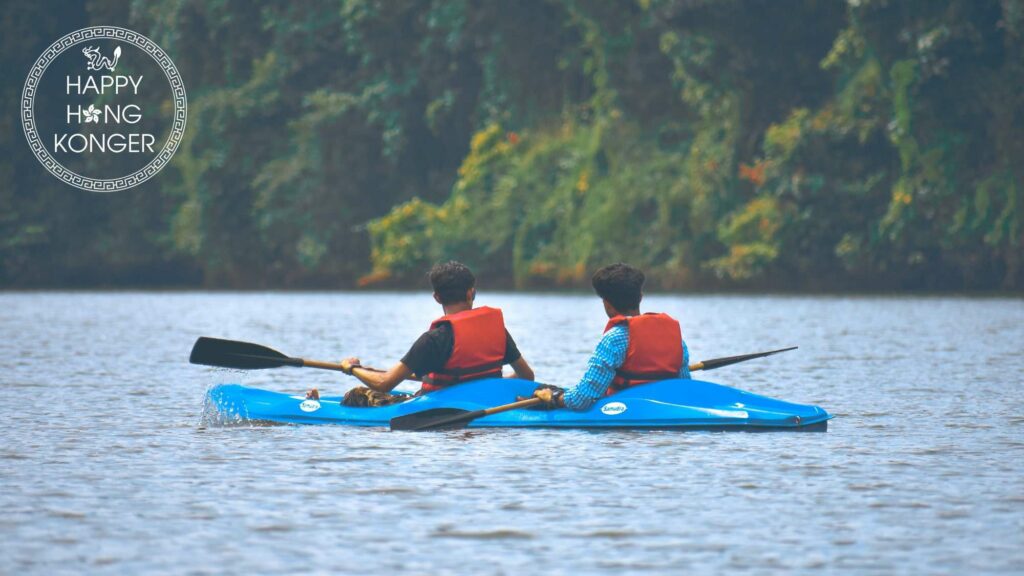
{"x":664,"y":404}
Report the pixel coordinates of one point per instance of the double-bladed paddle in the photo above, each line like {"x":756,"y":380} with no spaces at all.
{"x":727,"y":360}
{"x":446,"y":418}
{"x":249,"y":356}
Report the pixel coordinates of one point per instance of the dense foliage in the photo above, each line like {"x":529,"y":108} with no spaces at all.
{"x":782,"y":144}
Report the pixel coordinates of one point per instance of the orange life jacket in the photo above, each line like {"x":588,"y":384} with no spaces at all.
{"x":655,"y":350}
{"x":478,"y":350}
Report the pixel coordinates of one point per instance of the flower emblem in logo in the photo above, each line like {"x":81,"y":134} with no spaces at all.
{"x":92,"y":114}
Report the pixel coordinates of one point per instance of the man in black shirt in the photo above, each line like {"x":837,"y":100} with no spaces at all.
{"x":434,"y":347}
{"x":466,"y":343}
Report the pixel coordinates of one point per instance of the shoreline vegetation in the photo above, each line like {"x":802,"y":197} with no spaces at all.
{"x":720,"y":146}
{"x":505,"y":290}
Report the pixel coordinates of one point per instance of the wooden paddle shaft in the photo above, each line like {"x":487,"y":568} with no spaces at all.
{"x":337,"y":366}
{"x":513,"y":406}
{"x":534,"y":401}
{"x":323,"y":365}
{"x":333,"y":366}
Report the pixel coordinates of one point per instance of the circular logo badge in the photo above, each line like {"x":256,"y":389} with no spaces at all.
{"x":613,"y":408}
{"x":103,"y":108}
{"x":309,"y":406}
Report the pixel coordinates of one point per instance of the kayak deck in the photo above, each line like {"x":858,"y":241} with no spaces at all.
{"x":691,"y":404}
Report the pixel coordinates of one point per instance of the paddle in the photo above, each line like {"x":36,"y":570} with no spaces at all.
{"x":249,"y":356}
{"x":719,"y":362}
{"x":440,"y":418}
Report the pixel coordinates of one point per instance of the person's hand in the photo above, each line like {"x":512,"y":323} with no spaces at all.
{"x":348,"y":364}
{"x":545,"y":394}
{"x":550,"y":396}
{"x":313,"y":394}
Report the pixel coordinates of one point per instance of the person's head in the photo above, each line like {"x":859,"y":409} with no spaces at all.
{"x":620,"y":286}
{"x":453,"y":283}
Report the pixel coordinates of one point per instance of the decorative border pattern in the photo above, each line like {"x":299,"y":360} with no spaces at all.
{"x":32,"y":133}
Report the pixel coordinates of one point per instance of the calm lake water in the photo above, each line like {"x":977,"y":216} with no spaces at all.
{"x":105,"y":466}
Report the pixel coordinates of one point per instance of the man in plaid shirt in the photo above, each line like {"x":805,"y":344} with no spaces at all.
{"x":635,"y":349}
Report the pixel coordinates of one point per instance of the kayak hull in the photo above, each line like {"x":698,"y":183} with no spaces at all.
{"x":688,"y":404}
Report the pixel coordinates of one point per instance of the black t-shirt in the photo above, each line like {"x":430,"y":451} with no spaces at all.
{"x":432,"y":349}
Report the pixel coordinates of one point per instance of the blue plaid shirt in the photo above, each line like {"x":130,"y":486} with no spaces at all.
{"x":609,"y":355}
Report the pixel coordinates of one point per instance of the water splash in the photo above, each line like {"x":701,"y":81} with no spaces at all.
{"x":219,"y":412}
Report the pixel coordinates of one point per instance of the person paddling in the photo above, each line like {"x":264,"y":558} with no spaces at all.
{"x":635,"y":349}
{"x":465,"y":344}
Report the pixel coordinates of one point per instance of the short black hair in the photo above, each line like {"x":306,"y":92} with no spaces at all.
{"x":620,"y":284}
{"x":451,"y":281}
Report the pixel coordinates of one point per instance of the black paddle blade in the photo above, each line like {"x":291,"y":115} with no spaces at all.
{"x":435,"y":419}
{"x":719,"y":362}
{"x":238,"y":355}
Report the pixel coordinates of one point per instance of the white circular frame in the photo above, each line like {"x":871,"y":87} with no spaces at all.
{"x":32,"y":133}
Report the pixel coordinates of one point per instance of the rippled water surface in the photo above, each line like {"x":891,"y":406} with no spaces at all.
{"x":105,"y":467}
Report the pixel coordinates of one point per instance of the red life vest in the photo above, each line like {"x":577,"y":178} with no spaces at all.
{"x":655,"y":350}
{"x":478,"y":350}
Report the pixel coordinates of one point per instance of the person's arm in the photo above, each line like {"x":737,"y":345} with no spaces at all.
{"x":379,"y":381}
{"x":515,"y":359}
{"x":684,"y":371}
{"x":608,"y":356}
{"x":522,"y":369}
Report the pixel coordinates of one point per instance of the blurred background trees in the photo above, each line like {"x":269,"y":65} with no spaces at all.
{"x":805,"y":144}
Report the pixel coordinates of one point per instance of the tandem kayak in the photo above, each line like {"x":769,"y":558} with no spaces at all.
{"x":683,"y":404}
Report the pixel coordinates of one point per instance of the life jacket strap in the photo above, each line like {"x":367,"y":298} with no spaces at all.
{"x":456,"y":375}
{"x":459,"y":372}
